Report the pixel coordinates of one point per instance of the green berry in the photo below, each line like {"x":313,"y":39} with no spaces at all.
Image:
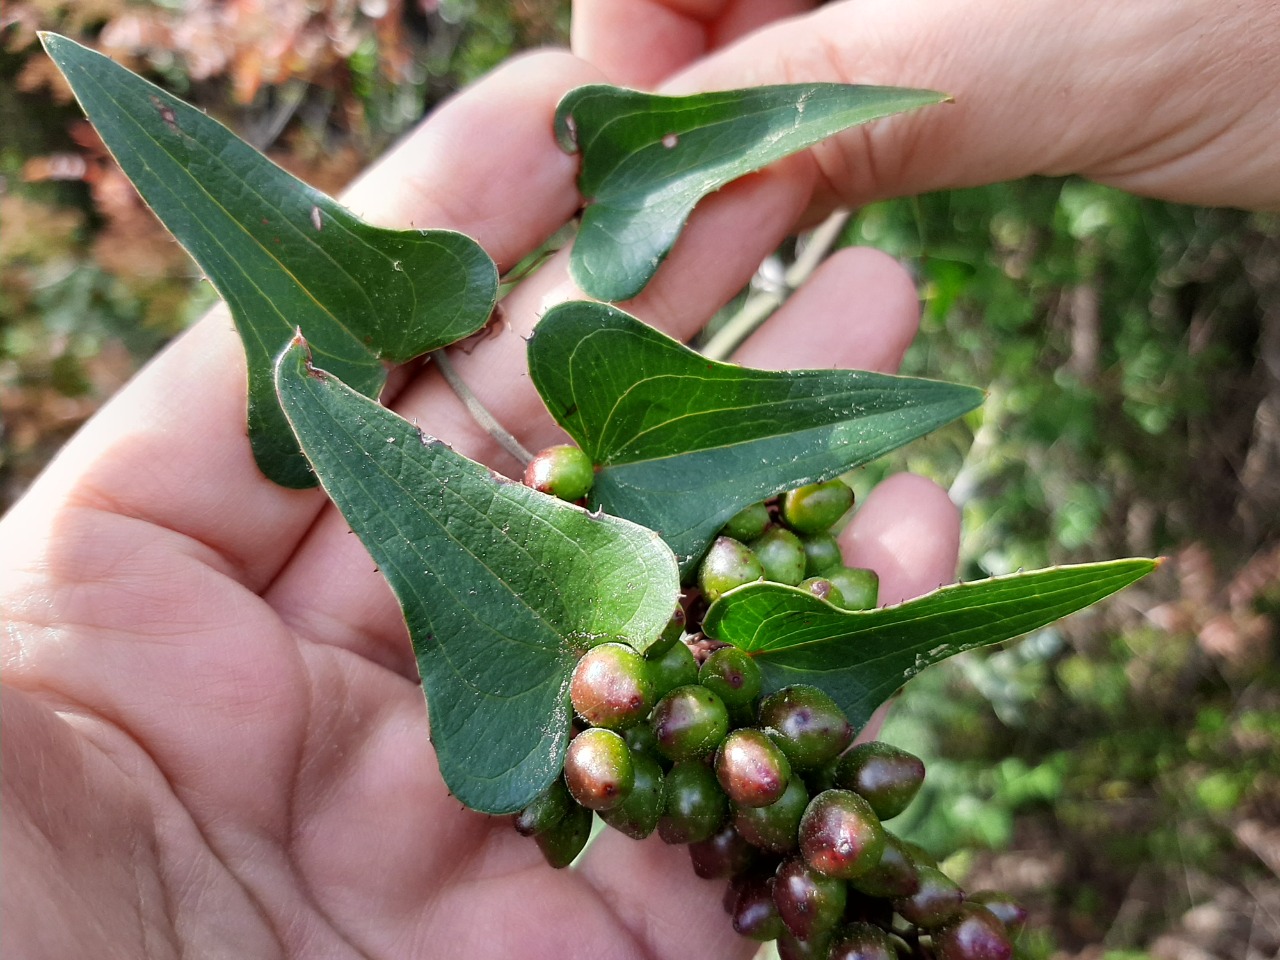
{"x":935,"y":902}
{"x":1006,"y":909}
{"x":862,"y":941}
{"x":733,"y":676}
{"x":859,"y":588}
{"x":728,"y":564}
{"x":754,"y":913}
{"x":810,"y":903}
{"x":824,"y":589}
{"x":773,"y":828}
{"x":821,"y":553}
{"x":751,"y":769}
{"x":887,"y":777}
{"x":564,"y":841}
{"x":894,"y":876}
{"x":816,"y":507}
{"x":689,"y":723}
{"x":722,"y":854}
{"x":781,"y":554}
{"x":598,"y":769}
{"x":611,"y":687}
{"x":670,"y":635}
{"x":807,"y":724}
{"x":642,"y":743}
{"x":546,"y":810}
{"x":975,"y":934}
{"x":637,"y":816}
{"x":676,"y":667}
{"x":748,"y":523}
{"x":563,"y":471}
{"x":694,"y":807}
{"x":840,"y":835}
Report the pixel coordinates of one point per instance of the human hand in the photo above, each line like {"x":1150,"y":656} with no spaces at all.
{"x":1177,"y":100}
{"x":214,"y":740}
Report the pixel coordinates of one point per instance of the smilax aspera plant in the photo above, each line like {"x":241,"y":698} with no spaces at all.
{"x":656,"y":630}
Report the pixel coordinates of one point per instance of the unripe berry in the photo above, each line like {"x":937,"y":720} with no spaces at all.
{"x":774,"y":827}
{"x":670,"y":635}
{"x":937,"y":900}
{"x":754,"y":913}
{"x":781,"y":554}
{"x":814,"y":508}
{"x":975,"y":934}
{"x":694,"y":807}
{"x":887,"y":777}
{"x":809,"y":903}
{"x":807,"y":724}
{"x":733,"y":676}
{"x":859,"y":588}
{"x":862,"y":941}
{"x":1006,"y":909}
{"x":689,"y":723}
{"x":563,"y":471}
{"x":637,"y":816}
{"x":642,"y":743}
{"x":821,"y":553}
{"x":673,"y":668}
{"x":840,"y":835}
{"x":611,"y":687}
{"x":728,"y":564}
{"x":546,"y":810}
{"x":722,"y":854}
{"x":564,"y":841}
{"x":748,"y":523}
{"x":598,"y":769}
{"x":824,"y":589}
{"x":751,"y":769}
{"x":893,"y":877}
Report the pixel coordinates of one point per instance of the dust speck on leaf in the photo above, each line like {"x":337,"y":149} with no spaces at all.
{"x":316,"y":220}
{"x":670,"y":141}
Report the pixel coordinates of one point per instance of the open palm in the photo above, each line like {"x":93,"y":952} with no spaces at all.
{"x":215,"y":743}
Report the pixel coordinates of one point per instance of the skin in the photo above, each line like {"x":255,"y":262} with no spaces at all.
{"x":214,"y":741}
{"x":1177,"y":99}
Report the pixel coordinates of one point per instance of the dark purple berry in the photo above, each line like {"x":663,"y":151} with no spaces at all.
{"x":840,"y":835}
{"x":781,"y":554}
{"x":611,"y":687}
{"x":564,"y":841}
{"x":546,"y":810}
{"x":807,"y":724}
{"x":809,"y":903}
{"x":689,"y":723}
{"x":751,"y":769}
{"x":975,"y":934}
{"x":754,"y":913}
{"x":598,"y":769}
{"x":887,"y":777}
{"x":728,"y":564}
{"x":774,"y":827}
{"x":733,"y":676}
{"x":894,"y":876}
{"x":862,"y":941}
{"x":816,"y":507}
{"x":937,"y":900}
{"x":722,"y":854}
{"x":694,"y":806}
{"x":1006,"y":909}
{"x":562,"y":471}
{"x":791,"y":947}
{"x":637,"y":816}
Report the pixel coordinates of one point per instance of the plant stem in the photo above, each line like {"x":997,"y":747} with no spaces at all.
{"x":479,"y":412}
{"x":761,"y":304}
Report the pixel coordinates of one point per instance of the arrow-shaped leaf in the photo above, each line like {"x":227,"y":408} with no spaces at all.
{"x":282,"y":254}
{"x":682,"y":443}
{"x":861,"y":657}
{"x":502,"y":587}
{"x":648,"y":159}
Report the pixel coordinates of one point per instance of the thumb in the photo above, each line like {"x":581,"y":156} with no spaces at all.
{"x":1178,"y":99}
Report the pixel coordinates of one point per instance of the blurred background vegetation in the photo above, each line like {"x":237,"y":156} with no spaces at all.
{"x":1119,"y":772}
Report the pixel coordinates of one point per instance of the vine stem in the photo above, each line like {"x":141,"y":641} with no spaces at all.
{"x":479,"y":412}
{"x":762,"y":304}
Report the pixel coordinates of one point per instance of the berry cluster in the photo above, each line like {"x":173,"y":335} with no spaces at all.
{"x":765,"y":790}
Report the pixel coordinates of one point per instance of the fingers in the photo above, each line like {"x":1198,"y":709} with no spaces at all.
{"x":1174,"y":100}
{"x":170,"y":450}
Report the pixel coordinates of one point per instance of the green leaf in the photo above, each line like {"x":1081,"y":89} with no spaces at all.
{"x":682,"y":443}
{"x":282,"y":254}
{"x":502,"y":587}
{"x":648,"y":159}
{"x":861,"y":657}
